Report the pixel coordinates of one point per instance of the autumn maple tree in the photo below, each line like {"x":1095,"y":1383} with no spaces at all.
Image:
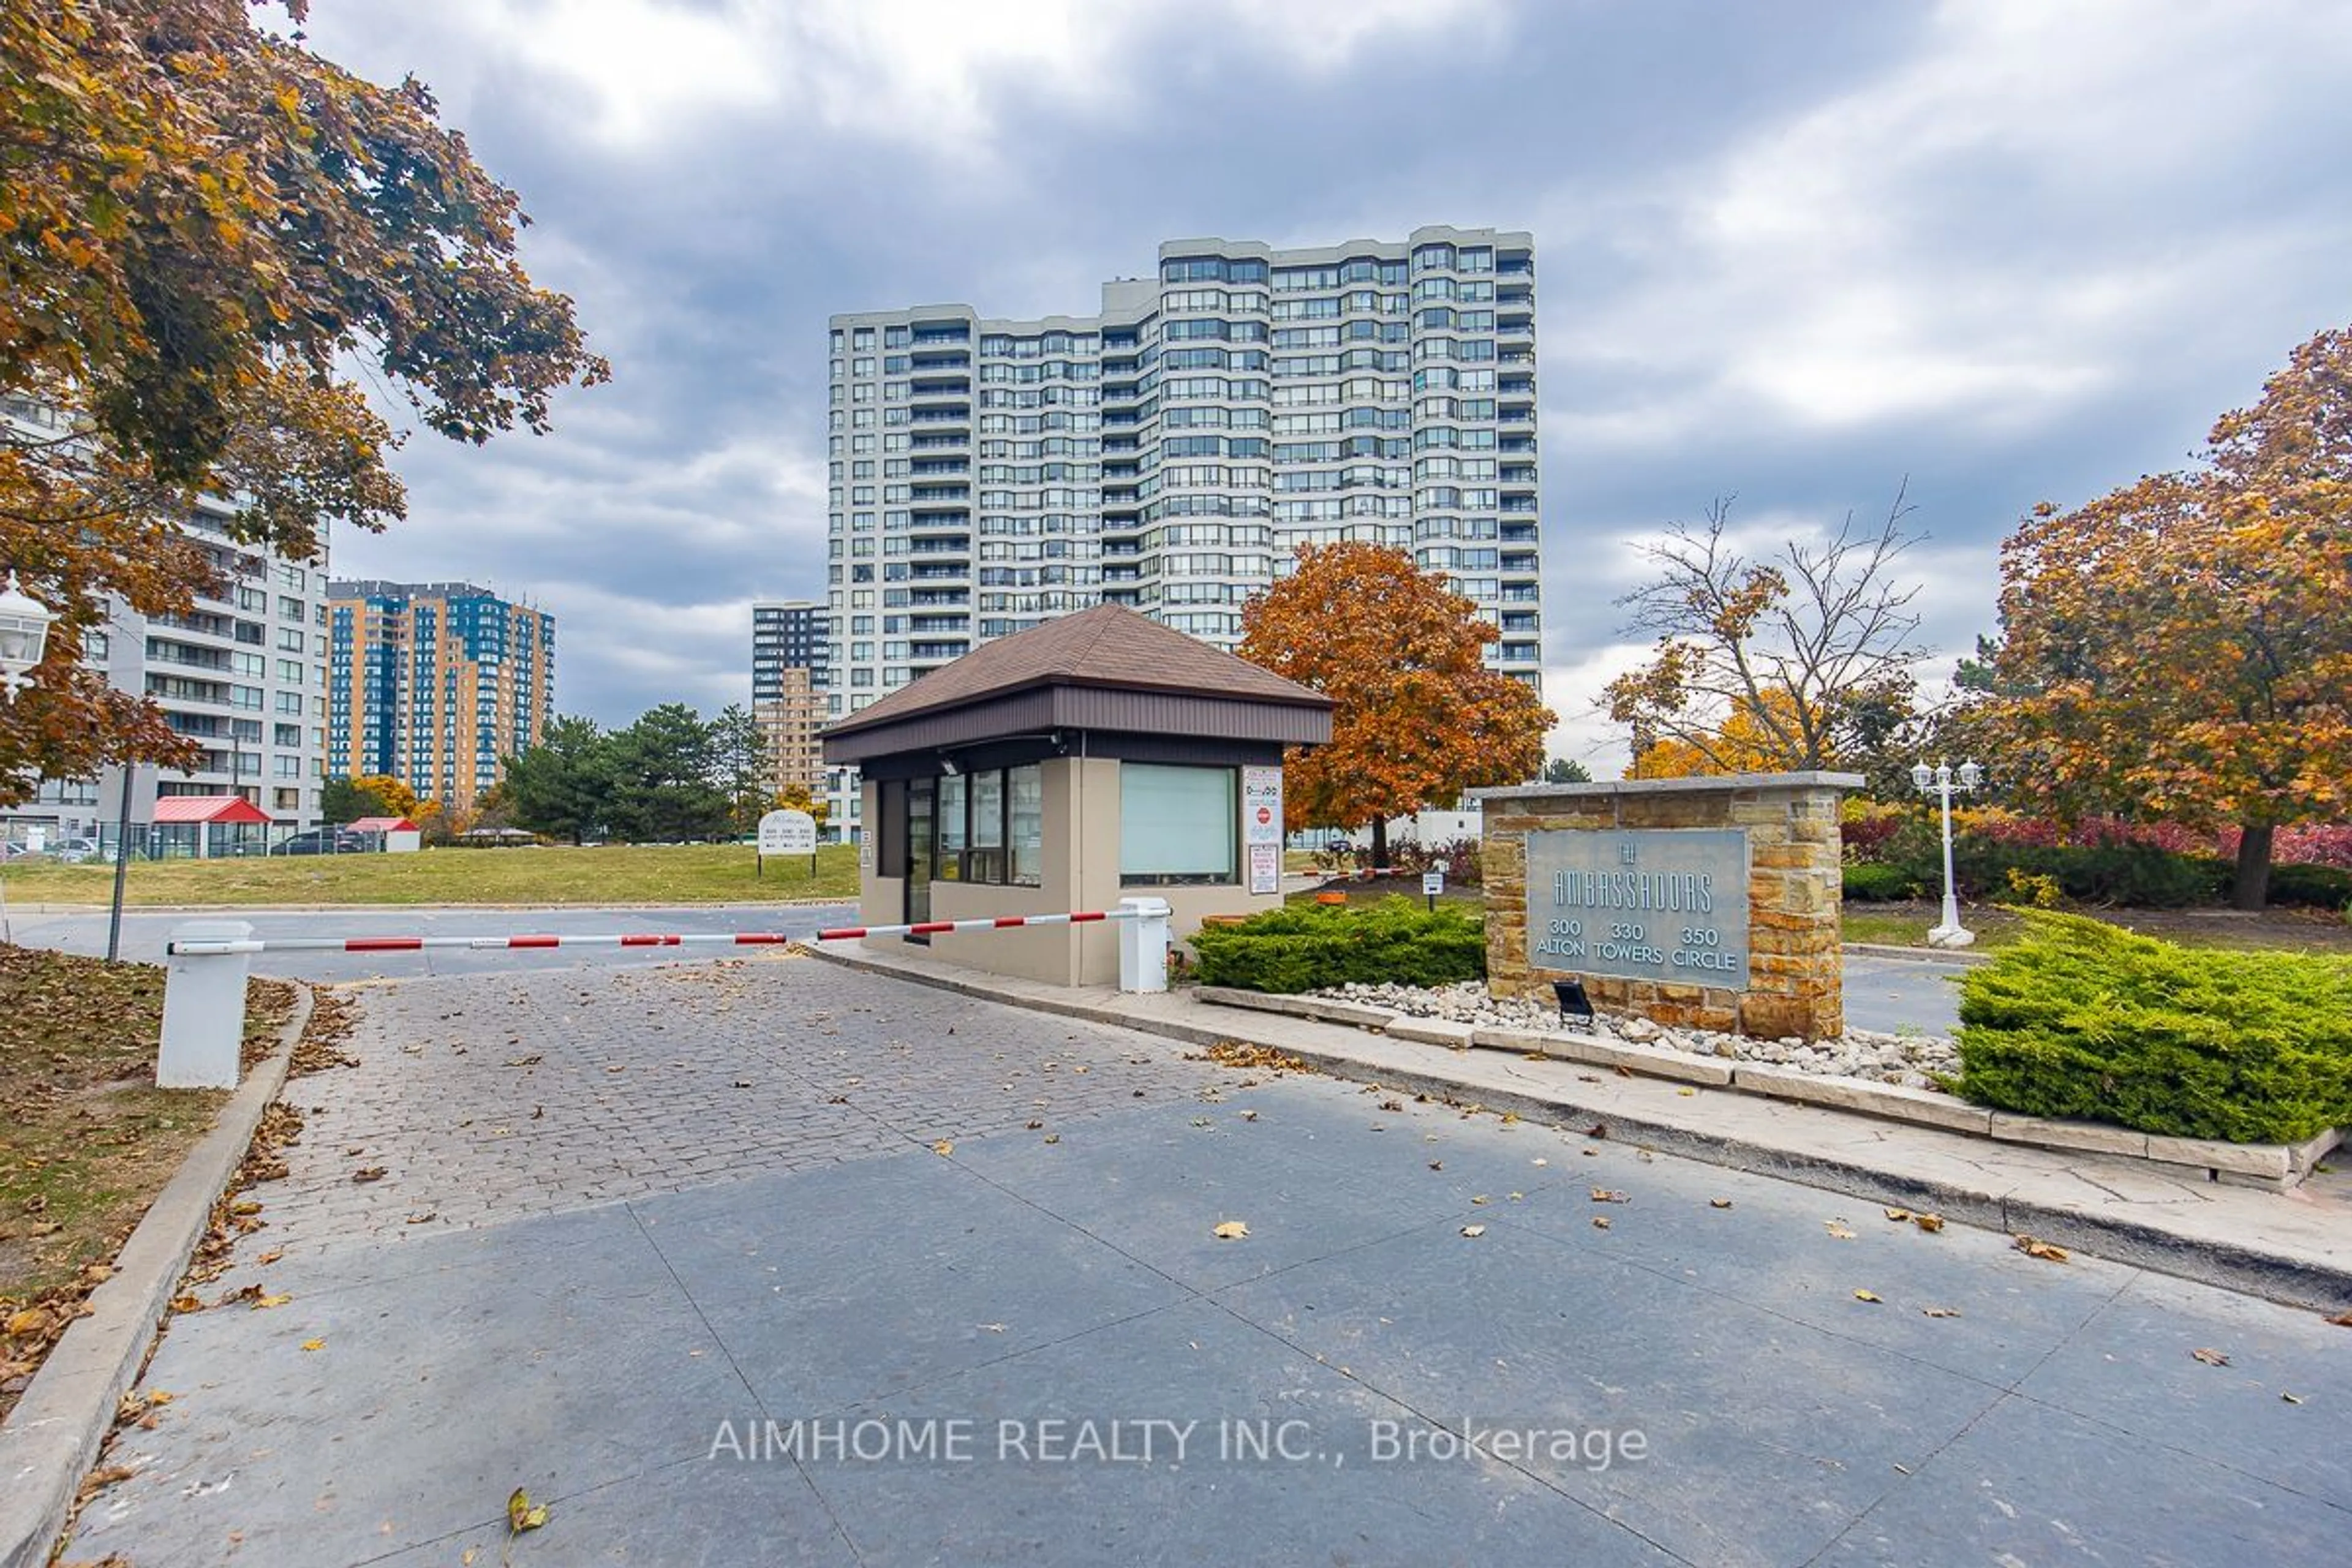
{"x":1797,"y":662}
{"x":205,"y":229}
{"x":2182,"y":647}
{"x":1420,"y":718}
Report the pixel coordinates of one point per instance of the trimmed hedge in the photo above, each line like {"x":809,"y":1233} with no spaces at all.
{"x":1306,"y":947}
{"x":2083,"y":1019}
{"x":1867,"y":880}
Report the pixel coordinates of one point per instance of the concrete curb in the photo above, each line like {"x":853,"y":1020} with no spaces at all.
{"x":1965,"y":957}
{"x":52,"y":1437}
{"x":2248,"y":1268}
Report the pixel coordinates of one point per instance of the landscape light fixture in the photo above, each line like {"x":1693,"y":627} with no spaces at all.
{"x":1573,"y":1003}
{"x":1940,"y":782}
{"x":24,"y":633}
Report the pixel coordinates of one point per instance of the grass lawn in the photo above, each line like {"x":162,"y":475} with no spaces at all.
{"x":86,"y":1138}
{"x":614,"y":874}
{"x":2295,"y":930}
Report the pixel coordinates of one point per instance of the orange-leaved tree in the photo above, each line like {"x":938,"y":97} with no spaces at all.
{"x":1745,"y":743}
{"x":398,"y":799}
{"x":205,"y":229}
{"x":2182,"y":648}
{"x":1420,"y":717}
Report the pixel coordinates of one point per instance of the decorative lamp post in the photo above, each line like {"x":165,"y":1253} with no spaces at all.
{"x":1940,"y":782}
{"x":24,"y":633}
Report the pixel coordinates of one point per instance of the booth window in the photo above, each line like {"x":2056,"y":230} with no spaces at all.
{"x":992,"y":827}
{"x":1178,"y":825}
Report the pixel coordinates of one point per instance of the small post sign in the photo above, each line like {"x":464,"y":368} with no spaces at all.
{"x":1262,"y":828}
{"x":787,"y":833}
{"x":1432,"y":882}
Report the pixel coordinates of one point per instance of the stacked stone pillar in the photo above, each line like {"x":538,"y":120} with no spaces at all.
{"x":1794,"y":978}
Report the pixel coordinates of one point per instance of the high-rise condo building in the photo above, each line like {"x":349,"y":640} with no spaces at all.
{"x":243,"y":675}
{"x":1173,"y":451}
{"x":433,"y":683}
{"x":788,"y":680}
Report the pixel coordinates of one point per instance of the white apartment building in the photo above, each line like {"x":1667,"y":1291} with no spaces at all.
{"x":1173,"y":451}
{"x":243,"y":675}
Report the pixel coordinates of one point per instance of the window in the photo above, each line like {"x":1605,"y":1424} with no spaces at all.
{"x":991,"y":827}
{"x":1177,"y":824}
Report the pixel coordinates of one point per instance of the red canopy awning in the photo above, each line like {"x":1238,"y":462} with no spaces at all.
{"x":227,"y":808}
{"x":385,"y":825}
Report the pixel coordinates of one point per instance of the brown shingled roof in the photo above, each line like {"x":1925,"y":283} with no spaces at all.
{"x":1109,"y":644}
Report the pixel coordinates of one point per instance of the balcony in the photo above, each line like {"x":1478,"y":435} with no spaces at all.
{"x":1520,"y":533}
{"x":938,"y":650}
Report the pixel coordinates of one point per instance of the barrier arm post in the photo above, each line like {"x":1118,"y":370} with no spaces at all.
{"x":1143,"y":942}
{"x":203,"y":1006}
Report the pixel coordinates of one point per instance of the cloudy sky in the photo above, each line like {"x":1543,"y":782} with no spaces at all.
{"x":1796,"y":252}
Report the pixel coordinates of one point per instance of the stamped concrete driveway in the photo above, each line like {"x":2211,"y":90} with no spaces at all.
{"x":769,"y":1261}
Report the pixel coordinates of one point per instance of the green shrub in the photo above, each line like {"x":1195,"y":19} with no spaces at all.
{"x":1306,"y":947}
{"x":2138,"y":876}
{"x":1868,"y":879}
{"x":2083,"y":1019}
{"x":2314,"y":886}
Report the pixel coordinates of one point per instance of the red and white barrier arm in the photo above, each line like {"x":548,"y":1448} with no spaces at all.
{"x":207,"y":948}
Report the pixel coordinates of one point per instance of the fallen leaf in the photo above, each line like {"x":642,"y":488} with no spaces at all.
{"x":314,"y":1344}
{"x":187,"y":1303}
{"x":261,"y":1301}
{"x":1601,"y":1222}
{"x":1034,"y":1126}
{"x":28,"y":1322}
{"x":531,"y":1061}
{"x":521,"y":1515}
{"x":244,"y":1206}
{"x":1516,"y":1197}
{"x":1392,"y":1105}
{"x":993,"y":1327}
{"x":1838,"y":1230}
{"x":1482,"y":1199}
{"x":1686,"y":1092}
{"x":1474,"y":1230}
{"x":1864,"y":1296}
{"x":1539,"y":1160}
{"x":618,"y":1067}
{"x":1607,"y":1195}
{"x":2210,"y":1357}
{"x":943,"y":1148}
{"x":1930,"y":1223}
{"x":426,"y":1217}
{"x":2292,"y":1399}
{"x":1939,"y":1312}
{"x":1624,"y":1072}
{"x":1437,"y":1164}
{"x":368,"y":1173}
{"x":1598,"y":1129}
{"x":1231,"y":1230}
{"x":1511,"y":1119}
{"x":1898,"y":1215}
{"x":2042,"y":1250}
{"x":1249,"y":1116}
{"x":1053,"y":1138}
{"x":1593,"y":1153}
{"x":272,"y":1256}
{"x":1718,"y":1203}
{"x":2341,"y":1320}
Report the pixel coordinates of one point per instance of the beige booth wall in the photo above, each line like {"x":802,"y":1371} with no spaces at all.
{"x":1080,"y":871}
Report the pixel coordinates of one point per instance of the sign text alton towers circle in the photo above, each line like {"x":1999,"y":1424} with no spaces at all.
{"x":1658,"y":904}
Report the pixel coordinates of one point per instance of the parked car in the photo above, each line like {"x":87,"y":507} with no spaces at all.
{"x":322,"y":841}
{"x":74,"y":851}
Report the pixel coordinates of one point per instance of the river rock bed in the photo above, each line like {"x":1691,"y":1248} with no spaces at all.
{"x":1906,"y":1059}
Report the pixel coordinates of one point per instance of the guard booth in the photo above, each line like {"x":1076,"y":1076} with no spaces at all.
{"x":1098,"y":757}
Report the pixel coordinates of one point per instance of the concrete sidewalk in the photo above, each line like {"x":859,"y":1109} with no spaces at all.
{"x":2294,"y":1248}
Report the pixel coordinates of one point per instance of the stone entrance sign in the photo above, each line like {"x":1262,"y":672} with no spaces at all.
{"x":1705,"y":902}
{"x":1667,"y":904}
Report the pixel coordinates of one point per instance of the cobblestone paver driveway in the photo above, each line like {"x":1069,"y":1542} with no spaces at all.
{"x":773,"y":1261}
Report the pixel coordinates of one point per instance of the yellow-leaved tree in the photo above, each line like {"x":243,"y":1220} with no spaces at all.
{"x":204,"y":227}
{"x":2182,"y":648}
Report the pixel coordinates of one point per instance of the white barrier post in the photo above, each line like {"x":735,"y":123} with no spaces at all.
{"x":203,"y":1009}
{"x":1143,"y":945}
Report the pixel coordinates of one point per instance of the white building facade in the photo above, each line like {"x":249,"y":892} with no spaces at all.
{"x":243,"y":675}
{"x":1172,"y":452}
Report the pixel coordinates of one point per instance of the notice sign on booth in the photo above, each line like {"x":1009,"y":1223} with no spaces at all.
{"x":1262,"y":828}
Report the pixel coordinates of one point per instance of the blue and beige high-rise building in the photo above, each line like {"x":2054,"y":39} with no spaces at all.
{"x":1171,"y":451}
{"x":435,"y":683}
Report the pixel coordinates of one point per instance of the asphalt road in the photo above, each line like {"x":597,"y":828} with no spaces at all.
{"x":144,"y":935}
{"x":1888,"y":994}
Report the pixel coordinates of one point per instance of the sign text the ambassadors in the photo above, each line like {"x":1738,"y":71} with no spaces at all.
{"x":1663,"y":904}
